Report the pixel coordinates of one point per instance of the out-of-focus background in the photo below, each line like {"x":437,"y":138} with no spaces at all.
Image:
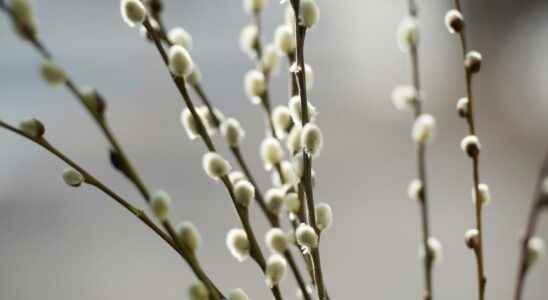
{"x":62,"y":243}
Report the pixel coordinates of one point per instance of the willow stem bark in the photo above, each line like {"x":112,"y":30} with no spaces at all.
{"x":180,"y":83}
{"x":300,"y":32}
{"x":91,"y":180}
{"x":540,"y":203}
{"x":482,"y":279}
{"x":421,"y":169}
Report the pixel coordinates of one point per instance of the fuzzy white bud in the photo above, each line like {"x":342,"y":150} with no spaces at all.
{"x":484,"y":194}
{"x":276,"y":267}
{"x":238,"y":244}
{"x":73,"y":177}
{"x":215,"y":165}
{"x":472,"y":62}
{"x":249,"y":37}
{"x":408,"y":34}
{"x":284,"y":39}
{"x":208,"y":120}
{"x":296,"y":112}
{"x":195,"y":77}
{"x":274,"y":199}
{"x":232,"y":132}
{"x":276,"y":240}
{"x":423,"y":129}
{"x":470,"y":145}
{"x":281,"y":118}
{"x":289,"y":16}
{"x":237,"y":294}
{"x":254,"y":6}
{"x":180,"y":62}
{"x":454,"y":21}
{"x":188,"y":122}
{"x":309,"y":76}
{"x":312,"y":139}
{"x":324,"y":216}
{"x":288,"y":174}
{"x":160,"y":203}
{"x":306,"y":236}
{"x":254,"y":85}
{"x":414,"y":190}
{"x":179,"y":36}
{"x":52,"y":74}
{"x":471,"y":238}
{"x":198,"y":291}
{"x":235,"y":176}
{"x":133,"y":12}
{"x":298,"y":164}
{"x":244,"y":192}
{"x":292,"y":202}
{"x":436,"y":249}
{"x":189,"y":235}
{"x":293,"y":142}
{"x":271,"y":152}
{"x":535,"y":250}
{"x":462,"y":107}
{"x":269,"y":59}
{"x":309,"y":13}
{"x":93,"y":100}
{"x":32,"y":127}
{"x":404,"y":97}
{"x":24,"y":23}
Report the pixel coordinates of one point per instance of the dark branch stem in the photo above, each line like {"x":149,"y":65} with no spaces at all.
{"x":179,"y":82}
{"x":91,"y":180}
{"x":125,"y":164}
{"x":482,"y":280}
{"x":307,"y":174}
{"x":421,"y":169}
{"x":540,"y":203}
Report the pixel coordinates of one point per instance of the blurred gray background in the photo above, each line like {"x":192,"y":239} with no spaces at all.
{"x":62,"y":243}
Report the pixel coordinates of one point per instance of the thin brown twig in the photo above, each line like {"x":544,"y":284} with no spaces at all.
{"x":236,"y":151}
{"x":93,"y":181}
{"x":421,"y":168}
{"x":307,"y":174}
{"x":118,"y":156}
{"x":540,"y":203}
{"x":470,"y":117}
{"x":267,"y":107}
{"x":179,"y":82}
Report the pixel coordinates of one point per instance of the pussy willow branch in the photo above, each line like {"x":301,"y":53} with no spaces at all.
{"x":100,"y":119}
{"x":307,"y":174}
{"x":421,"y":168}
{"x":540,"y":203}
{"x":236,"y":152}
{"x":265,"y":103}
{"x":91,"y":180}
{"x":199,"y":90}
{"x":118,"y":157}
{"x":482,"y":279}
{"x":179,"y":82}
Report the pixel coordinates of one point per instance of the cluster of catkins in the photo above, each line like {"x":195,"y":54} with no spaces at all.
{"x":286,"y":127}
{"x":405,"y":97}
{"x":285,"y":120}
